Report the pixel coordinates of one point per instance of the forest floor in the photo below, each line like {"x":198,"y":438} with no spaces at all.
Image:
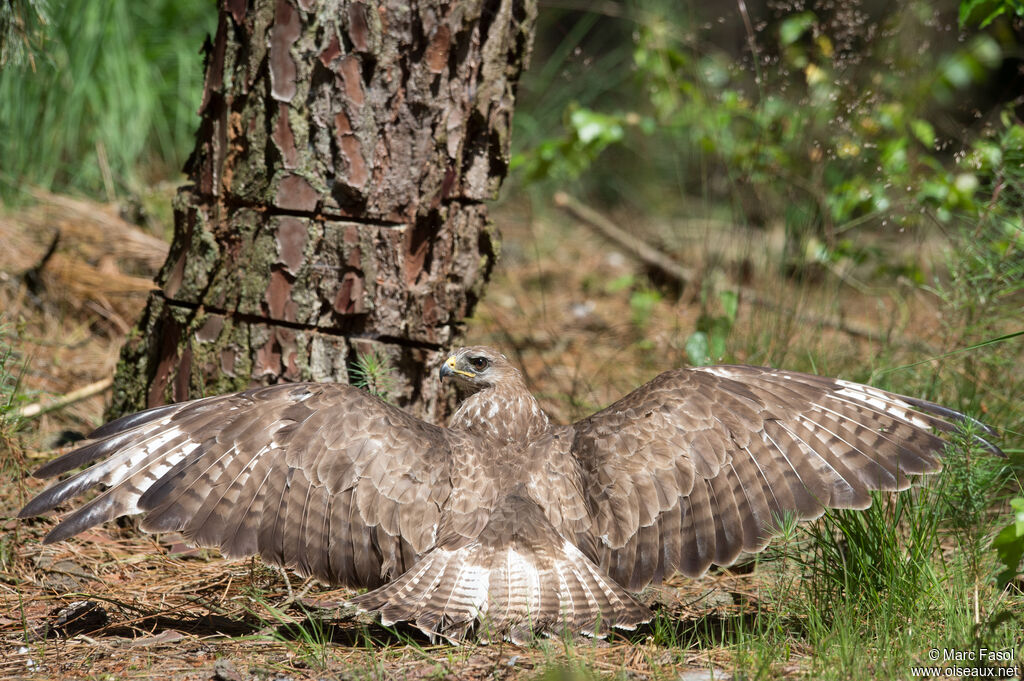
{"x":579,"y":316}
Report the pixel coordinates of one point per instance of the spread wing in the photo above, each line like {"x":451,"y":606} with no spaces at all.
{"x":322,"y":478}
{"x":701,"y":464}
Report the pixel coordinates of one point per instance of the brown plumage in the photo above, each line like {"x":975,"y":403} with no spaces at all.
{"x":503,"y":523}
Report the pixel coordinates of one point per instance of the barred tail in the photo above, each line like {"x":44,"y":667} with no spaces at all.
{"x":518,"y":578}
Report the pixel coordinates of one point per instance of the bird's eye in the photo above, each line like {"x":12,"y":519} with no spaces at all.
{"x":479,"y":363}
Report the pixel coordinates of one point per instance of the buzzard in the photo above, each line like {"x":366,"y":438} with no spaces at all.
{"x":503,"y":523}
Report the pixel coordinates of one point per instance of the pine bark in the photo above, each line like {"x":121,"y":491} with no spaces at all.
{"x":336,"y":202}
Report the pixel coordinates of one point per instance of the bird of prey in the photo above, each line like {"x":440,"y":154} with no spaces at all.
{"x":503,"y":524}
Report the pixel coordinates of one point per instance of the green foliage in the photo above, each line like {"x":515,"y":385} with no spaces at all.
{"x":848,"y":134}
{"x":12,"y":397}
{"x":843,"y":150}
{"x":971,"y":478}
{"x":1009,"y":543}
{"x":997,"y":237}
{"x":877,"y":561}
{"x":308,"y":640}
{"x":981,"y":297}
{"x":886,"y":572}
{"x":21,"y":23}
{"x":643,"y":300}
{"x":642,"y":303}
{"x":565,"y":76}
{"x":372,"y":372}
{"x":983,"y":12}
{"x":587,"y":134}
{"x":971,"y":484}
{"x":706,"y":345}
{"x":109,"y":101}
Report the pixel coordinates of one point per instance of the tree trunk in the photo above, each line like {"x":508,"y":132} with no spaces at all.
{"x":336,"y":197}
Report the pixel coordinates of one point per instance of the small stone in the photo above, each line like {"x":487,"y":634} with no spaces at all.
{"x":224,"y":670}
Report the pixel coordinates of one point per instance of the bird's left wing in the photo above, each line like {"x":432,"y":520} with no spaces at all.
{"x":323,"y":478}
{"x":701,"y":464}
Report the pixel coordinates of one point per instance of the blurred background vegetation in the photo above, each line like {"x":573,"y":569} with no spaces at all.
{"x":844,"y":122}
{"x":835,"y":117}
{"x":99,"y":98}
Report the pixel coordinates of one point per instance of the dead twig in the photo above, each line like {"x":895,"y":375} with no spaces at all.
{"x":38,"y":408}
{"x":631,"y":243}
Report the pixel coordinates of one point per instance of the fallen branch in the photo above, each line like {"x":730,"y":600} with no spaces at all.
{"x":633,"y":245}
{"x":39,"y":408}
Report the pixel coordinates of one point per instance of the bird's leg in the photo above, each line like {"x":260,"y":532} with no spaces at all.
{"x":288,"y":586}
{"x":279,"y":609}
{"x":294,"y":597}
{"x":304,"y":591}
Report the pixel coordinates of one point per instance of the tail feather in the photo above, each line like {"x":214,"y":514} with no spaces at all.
{"x":517,"y":578}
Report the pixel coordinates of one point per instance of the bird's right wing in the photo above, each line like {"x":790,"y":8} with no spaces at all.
{"x":322,"y":478}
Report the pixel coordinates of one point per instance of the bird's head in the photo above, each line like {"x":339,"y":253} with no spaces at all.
{"x":478,"y":367}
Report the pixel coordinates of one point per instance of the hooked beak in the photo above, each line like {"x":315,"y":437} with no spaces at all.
{"x":448,"y":369}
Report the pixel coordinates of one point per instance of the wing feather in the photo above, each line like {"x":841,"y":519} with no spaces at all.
{"x":728,"y":522}
{"x":685,"y":472}
{"x":341,"y":556}
{"x":320,"y":477}
{"x":241,"y":532}
{"x":761,"y":509}
{"x":366,"y":562}
{"x":314,"y":560}
{"x":797,"y":472}
{"x":703,"y":463}
{"x":294,"y":539}
{"x":275,"y":508}
{"x":648,"y":551}
{"x":698,"y":531}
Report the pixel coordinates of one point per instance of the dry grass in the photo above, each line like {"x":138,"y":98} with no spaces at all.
{"x":554,"y":307}
{"x":197,"y":607}
{"x":175,"y":614}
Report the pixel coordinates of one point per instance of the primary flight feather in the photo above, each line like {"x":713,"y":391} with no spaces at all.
{"x":503,"y":523}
